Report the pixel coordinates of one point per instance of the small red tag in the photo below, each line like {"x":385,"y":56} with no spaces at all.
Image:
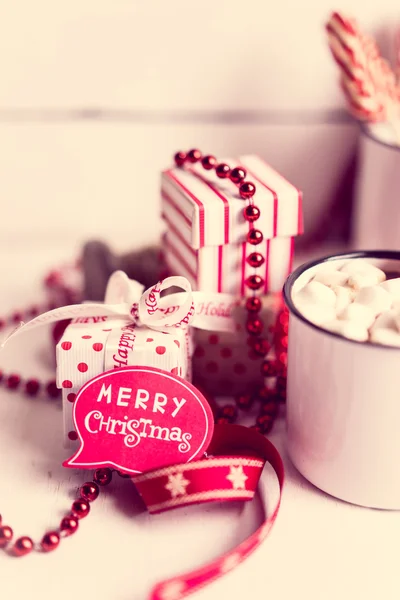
{"x":140,"y":418}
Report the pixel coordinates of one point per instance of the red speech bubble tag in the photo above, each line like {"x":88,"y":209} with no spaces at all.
{"x":139,"y":418}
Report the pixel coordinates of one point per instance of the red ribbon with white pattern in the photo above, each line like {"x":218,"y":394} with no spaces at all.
{"x":236,"y":458}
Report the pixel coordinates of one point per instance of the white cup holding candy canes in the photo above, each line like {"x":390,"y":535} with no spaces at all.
{"x":343,"y":396}
{"x":377,"y":193}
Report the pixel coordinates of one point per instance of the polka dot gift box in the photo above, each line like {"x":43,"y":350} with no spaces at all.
{"x":208,"y":238}
{"x":93,"y":345}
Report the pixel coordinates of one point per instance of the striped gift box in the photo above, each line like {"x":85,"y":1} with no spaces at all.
{"x":206,"y":229}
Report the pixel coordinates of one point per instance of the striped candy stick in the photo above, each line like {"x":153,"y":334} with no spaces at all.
{"x":366,"y":78}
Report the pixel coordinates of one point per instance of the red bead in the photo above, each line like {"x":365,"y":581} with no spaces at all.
{"x":194,"y":156}
{"x":237,"y":175}
{"x":223,"y":421}
{"x":2,"y":323}
{"x":69,"y":525}
{"x":22,"y":546}
{"x":222,"y":170}
{"x":17,"y":317}
{"x":282,"y":360}
{"x":229,"y":411}
{"x":265,"y":423}
{"x":251,"y":213}
{"x":265,"y":394}
{"x":270,"y":408}
{"x":1,"y":376}
{"x":6,"y":534}
{"x":50,"y":541}
{"x":102,"y":476}
{"x":254,"y":327}
{"x":208,"y":162}
{"x":180,"y":158}
{"x":13,"y":382}
{"x":261,"y":347}
{"x":283,"y":342}
{"x":253,"y":304}
{"x":254,"y":282}
{"x":255,"y":237}
{"x":255,"y":259}
{"x":33,"y":311}
{"x":281,"y":384}
{"x":89,"y":491}
{"x":244,"y":402}
{"x":256,"y":428}
{"x":80,"y":508}
{"x":52,"y":390}
{"x":32,"y":387}
{"x":247,"y":190}
{"x":269,"y":368}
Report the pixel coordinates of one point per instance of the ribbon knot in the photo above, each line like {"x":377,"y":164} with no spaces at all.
{"x":150,"y":308}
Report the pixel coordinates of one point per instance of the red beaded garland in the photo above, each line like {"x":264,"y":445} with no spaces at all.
{"x":245,"y":401}
{"x":261,"y":347}
{"x":180,"y":158}
{"x":269,"y":368}
{"x":69,"y":525}
{"x":255,"y":259}
{"x":194,"y":155}
{"x":208,"y":162}
{"x":270,"y":408}
{"x":247,"y":190}
{"x":254,"y":282}
{"x":32,"y":387}
{"x":13,"y":382}
{"x":265,"y":423}
{"x":22,"y":546}
{"x":237,"y":175}
{"x":253,"y":304}
{"x":80,"y":508}
{"x":222,"y":170}
{"x":50,"y":541}
{"x":254,"y":327}
{"x":255,"y":237}
{"x":229,"y":412}
{"x":52,"y":390}
{"x":102,"y":476}
{"x":251,"y":213}
{"x":89,"y":491}
{"x":6,"y":534}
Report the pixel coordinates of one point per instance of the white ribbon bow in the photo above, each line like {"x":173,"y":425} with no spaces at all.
{"x":125,"y":298}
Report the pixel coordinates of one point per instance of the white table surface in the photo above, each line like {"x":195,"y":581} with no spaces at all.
{"x":320,"y":548}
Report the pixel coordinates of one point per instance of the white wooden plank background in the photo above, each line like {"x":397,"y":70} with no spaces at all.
{"x":152,"y":54}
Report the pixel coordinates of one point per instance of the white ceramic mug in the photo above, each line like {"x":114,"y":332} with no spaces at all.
{"x":377,"y":193}
{"x":343,"y":403}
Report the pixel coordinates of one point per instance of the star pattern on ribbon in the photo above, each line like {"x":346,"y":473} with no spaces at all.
{"x":173,"y":590}
{"x":177,"y":484}
{"x":237,"y":477}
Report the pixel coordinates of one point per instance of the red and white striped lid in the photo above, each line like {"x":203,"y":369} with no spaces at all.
{"x":209,"y":211}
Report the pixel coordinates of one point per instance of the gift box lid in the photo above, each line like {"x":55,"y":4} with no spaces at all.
{"x":209,"y":211}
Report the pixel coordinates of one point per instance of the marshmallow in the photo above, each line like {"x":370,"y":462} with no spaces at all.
{"x":392,"y":286}
{"x":344,"y":296}
{"x":361,"y":265}
{"x":365,"y":279}
{"x":386,"y":337}
{"x":331,"y":278}
{"x":358,"y":314}
{"x":384,"y":331}
{"x":362,"y":273}
{"x":315,"y":293}
{"x":348,"y":329}
{"x":317,"y":314}
{"x":376,"y":298}
{"x":386,"y":320}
